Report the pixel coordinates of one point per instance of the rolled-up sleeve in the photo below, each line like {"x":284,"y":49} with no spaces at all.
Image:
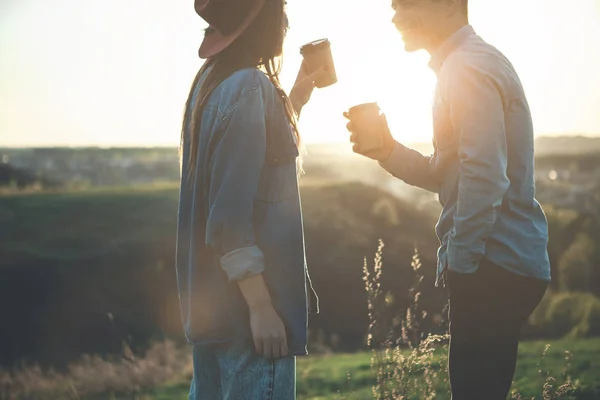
{"x":243,"y":263}
{"x":410,"y":166}
{"x":236,"y":164}
{"x":477,"y":114}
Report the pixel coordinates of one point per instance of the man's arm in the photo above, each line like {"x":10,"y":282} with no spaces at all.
{"x":410,"y":166}
{"x":406,"y":164}
{"x":477,"y":115}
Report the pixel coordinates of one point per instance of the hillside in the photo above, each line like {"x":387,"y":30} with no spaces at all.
{"x":83,"y":272}
{"x":544,"y":146}
{"x":20,"y":178}
{"x":567,"y":145}
{"x":109,"y":167}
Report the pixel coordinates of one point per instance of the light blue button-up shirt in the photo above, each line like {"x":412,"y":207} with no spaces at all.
{"x":483,"y":163}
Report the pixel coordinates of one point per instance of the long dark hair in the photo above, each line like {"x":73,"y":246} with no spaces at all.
{"x":260,"y":46}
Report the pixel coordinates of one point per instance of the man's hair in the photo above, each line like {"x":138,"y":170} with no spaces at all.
{"x":464,"y":5}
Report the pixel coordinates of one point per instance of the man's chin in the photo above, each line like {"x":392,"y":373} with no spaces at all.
{"x":411,"y":47}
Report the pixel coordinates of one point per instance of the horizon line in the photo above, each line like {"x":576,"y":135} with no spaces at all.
{"x":316,"y":143}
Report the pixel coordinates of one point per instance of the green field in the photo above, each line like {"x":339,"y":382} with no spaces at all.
{"x":112,"y":250}
{"x":349,"y":376}
{"x":72,"y":226}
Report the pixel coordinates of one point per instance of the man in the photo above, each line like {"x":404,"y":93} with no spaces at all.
{"x":493,"y":233}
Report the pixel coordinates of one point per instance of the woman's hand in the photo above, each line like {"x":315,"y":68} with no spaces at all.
{"x":268,"y":332}
{"x":304,"y":86}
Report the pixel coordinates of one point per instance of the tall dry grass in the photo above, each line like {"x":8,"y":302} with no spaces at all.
{"x":93,"y":375}
{"x":410,"y":364}
{"x":407,"y":362}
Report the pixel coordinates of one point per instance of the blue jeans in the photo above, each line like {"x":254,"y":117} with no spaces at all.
{"x":238,"y":373}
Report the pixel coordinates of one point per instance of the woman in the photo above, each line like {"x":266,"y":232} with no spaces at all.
{"x":240,"y":248}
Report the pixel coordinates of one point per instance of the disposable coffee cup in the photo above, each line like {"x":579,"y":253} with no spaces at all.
{"x":367,"y":126}
{"x":317,"y":54}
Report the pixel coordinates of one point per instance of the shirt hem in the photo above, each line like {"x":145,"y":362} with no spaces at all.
{"x":295,"y":353}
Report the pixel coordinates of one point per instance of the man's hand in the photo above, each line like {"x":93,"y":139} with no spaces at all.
{"x":382,"y":154}
{"x":304,"y":86}
{"x":268,"y":332}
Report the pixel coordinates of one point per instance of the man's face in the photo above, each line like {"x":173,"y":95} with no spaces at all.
{"x":419,"y":21}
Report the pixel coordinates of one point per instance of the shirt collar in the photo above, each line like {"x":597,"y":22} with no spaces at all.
{"x":441,"y":53}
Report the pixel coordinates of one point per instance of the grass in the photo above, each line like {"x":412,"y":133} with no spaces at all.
{"x":349,"y":376}
{"x":164,"y":373}
{"x":584,"y":366}
{"x":95,"y":377}
{"x":73,"y":226}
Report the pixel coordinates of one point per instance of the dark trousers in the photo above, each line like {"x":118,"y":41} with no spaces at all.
{"x":487,"y":312}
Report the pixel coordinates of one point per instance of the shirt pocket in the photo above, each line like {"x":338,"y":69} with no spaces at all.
{"x":279,"y":178}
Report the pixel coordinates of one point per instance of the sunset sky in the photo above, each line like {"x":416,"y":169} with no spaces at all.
{"x":117,"y":72}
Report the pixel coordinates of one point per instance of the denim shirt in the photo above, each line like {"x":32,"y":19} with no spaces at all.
{"x":483,"y":163}
{"x":240,"y":216}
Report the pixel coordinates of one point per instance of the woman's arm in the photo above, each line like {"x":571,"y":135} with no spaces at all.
{"x":303,"y":88}
{"x":236,"y":166}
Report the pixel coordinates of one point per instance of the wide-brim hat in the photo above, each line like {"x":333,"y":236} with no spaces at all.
{"x":227,"y":20}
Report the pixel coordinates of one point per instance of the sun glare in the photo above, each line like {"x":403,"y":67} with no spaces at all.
{"x":371,"y":66}
{"x":89,"y":85}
